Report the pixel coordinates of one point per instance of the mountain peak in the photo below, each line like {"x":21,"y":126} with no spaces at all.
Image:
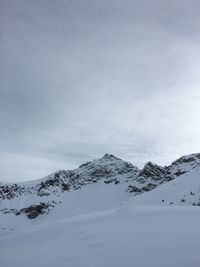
{"x":43,"y":195}
{"x":192,"y":158}
{"x":109,"y":156}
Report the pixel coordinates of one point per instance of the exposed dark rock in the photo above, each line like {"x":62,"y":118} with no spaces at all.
{"x":100,"y":172}
{"x":148,"y":187}
{"x":109,"y":181}
{"x":109,"y":157}
{"x":134,"y":189}
{"x":33,"y":211}
{"x":65,"y":187}
{"x":152,"y":171}
{"x":196,"y":203}
{"x":10,"y":191}
{"x":178,"y":173}
{"x":186,"y":159}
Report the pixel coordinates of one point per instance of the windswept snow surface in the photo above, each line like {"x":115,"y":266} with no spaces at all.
{"x":141,"y":236}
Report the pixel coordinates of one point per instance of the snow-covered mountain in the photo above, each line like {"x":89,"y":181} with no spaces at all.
{"x":183,"y":187}
{"x":107,"y":212}
{"x":108,"y":178}
{"x":40,"y":196}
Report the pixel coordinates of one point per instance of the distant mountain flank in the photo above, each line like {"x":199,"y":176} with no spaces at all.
{"x":42,"y":196}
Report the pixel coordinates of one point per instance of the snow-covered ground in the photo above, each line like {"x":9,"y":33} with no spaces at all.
{"x":98,"y":223}
{"x":143,"y":236}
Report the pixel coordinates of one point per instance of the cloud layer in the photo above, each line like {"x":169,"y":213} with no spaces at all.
{"x":82,"y":78}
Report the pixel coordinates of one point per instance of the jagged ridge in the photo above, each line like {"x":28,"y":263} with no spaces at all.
{"x":45,"y":193}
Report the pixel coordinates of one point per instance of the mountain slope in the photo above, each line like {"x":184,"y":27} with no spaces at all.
{"x":182,"y":190}
{"x":103,"y":183}
{"x":40,"y":196}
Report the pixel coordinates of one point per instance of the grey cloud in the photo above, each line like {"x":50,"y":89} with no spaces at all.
{"x":82,"y":78}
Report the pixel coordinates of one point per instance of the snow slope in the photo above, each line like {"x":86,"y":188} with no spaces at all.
{"x":91,"y":198}
{"x":184,"y":190}
{"x":137,"y":236}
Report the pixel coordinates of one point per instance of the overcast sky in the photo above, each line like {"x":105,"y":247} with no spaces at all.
{"x":82,"y":78}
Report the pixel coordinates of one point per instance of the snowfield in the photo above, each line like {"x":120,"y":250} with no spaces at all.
{"x":143,"y":236}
